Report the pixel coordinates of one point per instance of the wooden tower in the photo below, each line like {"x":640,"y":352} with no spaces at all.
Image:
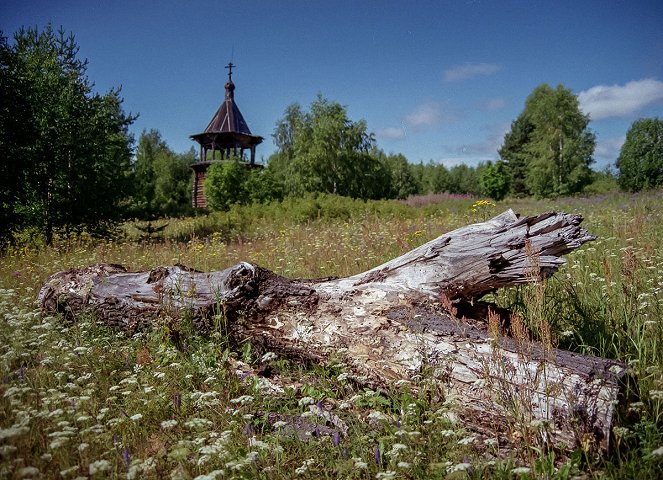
{"x":228,"y":134}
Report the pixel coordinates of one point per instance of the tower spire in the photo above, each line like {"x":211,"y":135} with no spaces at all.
{"x":230,"y":71}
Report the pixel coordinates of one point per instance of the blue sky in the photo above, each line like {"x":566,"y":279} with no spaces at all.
{"x":438,"y":81}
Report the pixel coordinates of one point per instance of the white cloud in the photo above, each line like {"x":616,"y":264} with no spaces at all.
{"x":609,"y":148}
{"x":469,"y":70}
{"x":494,"y":104}
{"x":453,"y":161}
{"x":604,"y":101}
{"x":424,"y":115}
{"x":391,"y":133}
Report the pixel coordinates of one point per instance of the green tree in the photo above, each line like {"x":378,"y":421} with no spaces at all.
{"x":495,"y":180}
{"x":162,"y":178}
{"x":513,"y":153}
{"x":640,"y":161}
{"x":227,"y":183}
{"x":463,"y":179}
{"x":322,"y":150}
{"x":66,"y":149}
{"x":560,"y":146}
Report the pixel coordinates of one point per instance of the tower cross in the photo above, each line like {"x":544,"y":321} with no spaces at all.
{"x":230,"y":71}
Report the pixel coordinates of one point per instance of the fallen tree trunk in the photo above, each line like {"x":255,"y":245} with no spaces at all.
{"x":394,"y":322}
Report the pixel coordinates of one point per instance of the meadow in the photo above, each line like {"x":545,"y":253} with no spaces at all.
{"x":79,"y":400}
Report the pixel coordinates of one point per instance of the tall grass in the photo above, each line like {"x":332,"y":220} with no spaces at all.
{"x":78,"y":400}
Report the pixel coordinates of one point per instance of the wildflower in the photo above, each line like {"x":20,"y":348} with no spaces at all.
{"x":198,"y":423}
{"x":359,"y":463}
{"x":306,"y":401}
{"x":267,"y":357}
{"x":386,"y":475}
{"x":126,"y":457}
{"x":520,"y":470}
{"x":460,"y":467}
{"x":379,"y":416}
{"x":99,"y":466}
{"x":342,"y":377}
{"x":656,"y":394}
{"x":403,"y":465}
{"x":242,"y":400}
{"x":13,"y":432}
{"x":396,"y":448}
{"x":28,"y":472}
{"x":68,"y":471}
{"x":467,"y":440}
{"x":259,"y":444}
{"x":376,"y":454}
{"x":211,"y":475}
{"x":302,"y":470}
{"x":136,"y":417}
{"x":658,"y":452}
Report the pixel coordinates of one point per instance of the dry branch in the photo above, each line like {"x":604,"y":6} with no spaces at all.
{"x":394,"y":322}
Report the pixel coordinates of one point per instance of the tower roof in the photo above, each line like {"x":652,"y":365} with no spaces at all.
{"x":228,"y":127}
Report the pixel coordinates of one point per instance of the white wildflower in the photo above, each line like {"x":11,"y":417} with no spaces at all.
{"x":521,"y":470}
{"x":386,"y":475}
{"x":68,"y":471}
{"x":460,"y":467}
{"x":359,"y":463}
{"x":213,"y":475}
{"x":28,"y":472}
{"x":379,"y":416}
{"x":168,"y":424}
{"x":467,"y":440}
{"x":99,"y":466}
{"x":305,"y":401}
{"x":307,"y":463}
{"x":396,"y":449}
{"x":658,"y":452}
{"x":269,"y":356}
{"x":259,"y":444}
{"x":242,"y":400}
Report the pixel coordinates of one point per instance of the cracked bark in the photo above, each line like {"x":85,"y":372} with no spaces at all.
{"x":393,"y":322}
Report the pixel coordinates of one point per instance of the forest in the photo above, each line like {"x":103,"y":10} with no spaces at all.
{"x":71,"y":165}
{"x":82,"y":398}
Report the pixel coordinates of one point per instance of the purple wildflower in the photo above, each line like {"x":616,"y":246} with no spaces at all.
{"x":126,"y":457}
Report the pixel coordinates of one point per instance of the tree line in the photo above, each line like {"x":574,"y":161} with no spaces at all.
{"x":69,"y":163}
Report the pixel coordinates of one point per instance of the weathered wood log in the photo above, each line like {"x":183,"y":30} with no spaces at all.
{"x":394,"y":322}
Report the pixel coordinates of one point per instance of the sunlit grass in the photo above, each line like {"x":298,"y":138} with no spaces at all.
{"x":81,"y":400}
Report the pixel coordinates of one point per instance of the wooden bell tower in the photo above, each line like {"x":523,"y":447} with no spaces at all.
{"x":228,"y":134}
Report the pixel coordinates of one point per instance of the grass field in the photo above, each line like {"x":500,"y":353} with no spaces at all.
{"x":79,"y":400}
